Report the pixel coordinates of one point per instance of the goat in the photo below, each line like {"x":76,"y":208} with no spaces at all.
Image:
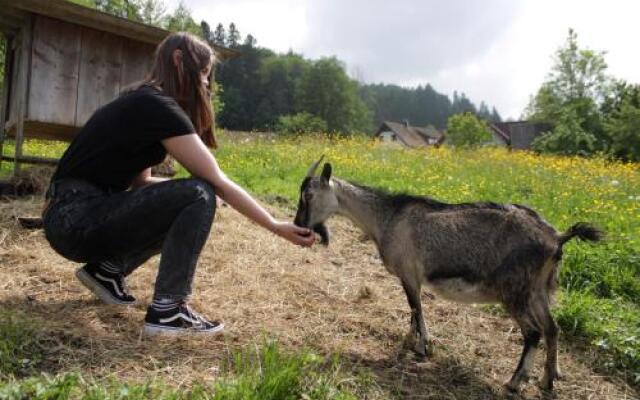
{"x":471,"y":253}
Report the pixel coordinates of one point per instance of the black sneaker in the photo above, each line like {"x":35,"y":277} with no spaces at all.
{"x":181,"y":320}
{"x":107,"y":286}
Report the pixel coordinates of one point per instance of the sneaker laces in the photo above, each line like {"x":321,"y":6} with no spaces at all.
{"x":194,"y":315}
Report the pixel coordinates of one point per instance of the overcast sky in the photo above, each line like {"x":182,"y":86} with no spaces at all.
{"x":498,"y":51}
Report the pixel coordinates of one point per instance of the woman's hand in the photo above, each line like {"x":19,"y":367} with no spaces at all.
{"x":189,"y":151}
{"x":295,"y":234}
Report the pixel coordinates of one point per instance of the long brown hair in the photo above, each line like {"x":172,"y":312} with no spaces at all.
{"x":183,"y":81}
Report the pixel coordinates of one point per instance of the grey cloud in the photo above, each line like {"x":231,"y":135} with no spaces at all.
{"x":405,"y":41}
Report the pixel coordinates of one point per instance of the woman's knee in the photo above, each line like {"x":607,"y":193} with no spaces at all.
{"x":202,"y":190}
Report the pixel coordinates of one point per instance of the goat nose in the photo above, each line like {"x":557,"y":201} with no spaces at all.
{"x":299,"y":220}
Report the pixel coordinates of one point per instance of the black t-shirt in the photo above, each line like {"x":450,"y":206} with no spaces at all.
{"x":123,"y":138}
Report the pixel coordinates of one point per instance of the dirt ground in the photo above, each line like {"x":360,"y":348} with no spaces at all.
{"x":337,"y":299}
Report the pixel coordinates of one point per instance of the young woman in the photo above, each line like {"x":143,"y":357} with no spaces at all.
{"x":106,"y":210}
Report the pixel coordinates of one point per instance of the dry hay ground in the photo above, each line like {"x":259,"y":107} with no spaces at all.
{"x":333,"y":300}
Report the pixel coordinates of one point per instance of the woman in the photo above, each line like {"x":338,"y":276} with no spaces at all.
{"x":104,"y":208}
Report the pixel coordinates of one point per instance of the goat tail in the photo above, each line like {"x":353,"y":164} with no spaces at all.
{"x":583,"y":231}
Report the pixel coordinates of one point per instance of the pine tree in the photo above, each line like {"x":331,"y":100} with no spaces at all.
{"x":220,"y":36}
{"x":206,"y":31}
{"x":250,"y":41}
{"x":234,"y":38}
{"x":495,"y":117}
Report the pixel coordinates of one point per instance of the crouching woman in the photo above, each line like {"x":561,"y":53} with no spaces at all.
{"x":104,"y":209}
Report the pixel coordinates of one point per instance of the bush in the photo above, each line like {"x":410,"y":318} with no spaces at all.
{"x":467,"y":130}
{"x":568,"y":137}
{"x":300,"y":123}
{"x":624,"y":131}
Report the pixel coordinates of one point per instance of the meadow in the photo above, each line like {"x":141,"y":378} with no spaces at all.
{"x":601,"y":284}
{"x":597,"y":306}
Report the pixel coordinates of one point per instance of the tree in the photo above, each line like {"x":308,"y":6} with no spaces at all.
{"x":330,"y":94}
{"x":182,"y":21}
{"x":461,"y":104}
{"x":242,"y":94}
{"x":495,"y":117}
{"x":233,"y":38}
{"x":146,"y":11}
{"x":300,"y":123}
{"x":420,"y":106}
{"x":280,"y":79}
{"x":467,"y":130}
{"x":574,"y":90}
{"x":568,"y":137}
{"x":250,"y":41}
{"x":152,"y":12}
{"x":623,"y":123}
{"x":483,"y":111}
{"x":129,"y":9}
{"x":219,"y":36}
{"x":86,"y":3}
{"x":205,"y":32}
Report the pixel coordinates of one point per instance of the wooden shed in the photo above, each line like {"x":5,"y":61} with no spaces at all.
{"x":63,"y":61}
{"x":518,"y":134}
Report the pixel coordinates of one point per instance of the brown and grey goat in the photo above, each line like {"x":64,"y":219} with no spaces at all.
{"x":470,"y":253}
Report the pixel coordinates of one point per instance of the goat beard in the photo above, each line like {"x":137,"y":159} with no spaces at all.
{"x":322,"y":230}
{"x":302,"y":218}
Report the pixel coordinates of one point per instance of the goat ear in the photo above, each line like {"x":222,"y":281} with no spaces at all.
{"x":326,"y":172}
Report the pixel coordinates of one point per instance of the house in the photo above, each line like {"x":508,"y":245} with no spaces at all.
{"x":409,"y":136}
{"x":517,"y":134}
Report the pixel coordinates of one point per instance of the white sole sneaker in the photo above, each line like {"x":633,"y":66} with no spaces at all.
{"x":157,"y":330}
{"x":96,"y":288}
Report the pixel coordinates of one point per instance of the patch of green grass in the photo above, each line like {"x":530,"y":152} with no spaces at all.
{"x":608,"y":271}
{"x":74,"y":386}
{"x":21,"y":350}
{"x":259,"y":373}
{"x":270,"y":374}
{"x":31,"y":147}
{"x":612,"y":325}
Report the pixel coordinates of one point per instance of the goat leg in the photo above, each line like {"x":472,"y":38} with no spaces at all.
{"x":551,"y":370}
{"x":531,"y":340}
{"x":418,"y":330}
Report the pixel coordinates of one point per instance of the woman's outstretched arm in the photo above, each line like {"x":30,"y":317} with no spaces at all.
{"x":189,"y":151}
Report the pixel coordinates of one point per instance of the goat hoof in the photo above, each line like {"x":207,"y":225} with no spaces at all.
{"x":409,"y":343}
{"x":559,"y":376}
{"x":420,"y":356}
{"x":548,"y":378}
{"x":546,"y":384}
{"x":422,"y":351}
{"x":512,"y":387}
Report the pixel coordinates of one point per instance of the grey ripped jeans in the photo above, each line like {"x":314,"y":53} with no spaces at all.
{"x":85,"y":224}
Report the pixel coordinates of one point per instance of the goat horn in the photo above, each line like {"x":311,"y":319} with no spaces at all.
{"x":314,"y":167}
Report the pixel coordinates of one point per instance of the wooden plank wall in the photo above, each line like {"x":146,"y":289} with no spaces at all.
{"x":100,"y":65}
{"x":75,"y":70}
{"x":53,"y":93}
{"x":13,"y":84}
{"x":137,"y":60}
